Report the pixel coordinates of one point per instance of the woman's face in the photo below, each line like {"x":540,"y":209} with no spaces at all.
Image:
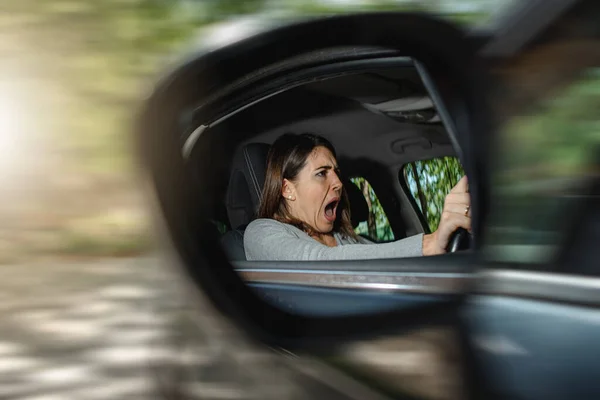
{"x":315,"y":194}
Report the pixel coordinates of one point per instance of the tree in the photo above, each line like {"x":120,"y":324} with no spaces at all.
{"x":364,"y":186}
{"x":429,"y":182}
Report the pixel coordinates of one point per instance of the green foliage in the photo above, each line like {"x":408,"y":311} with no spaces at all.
{"x":219,"y":10}
{"x":544,"y":161}
{"x":316,"y":7}
{"x":103,"y":55}
{"x":556,"y":142}
{"x":377,"y":227}
{"x":109,"y":246}
{"x":87,"y":63}
{"x":429,"y":182}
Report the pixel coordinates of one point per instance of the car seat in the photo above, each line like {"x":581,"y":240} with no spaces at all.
{"x":243,"y":196}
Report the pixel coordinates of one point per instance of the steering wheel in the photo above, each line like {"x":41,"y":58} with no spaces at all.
{"x":459,"y":240}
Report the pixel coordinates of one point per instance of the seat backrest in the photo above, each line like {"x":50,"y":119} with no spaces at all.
{"x":246,"y":181}
{"x":359,"y":209}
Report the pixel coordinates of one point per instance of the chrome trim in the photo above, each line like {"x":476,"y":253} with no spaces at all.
{"x":520,"y":284}
{"x":190,"y":142}
{"x":395,"y":282}
{"x":539,"y":285}
{"x":248,"y":105}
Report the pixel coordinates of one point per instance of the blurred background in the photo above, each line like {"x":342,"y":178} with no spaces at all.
{"x":75,"y":240}
{"x":71,"y":77}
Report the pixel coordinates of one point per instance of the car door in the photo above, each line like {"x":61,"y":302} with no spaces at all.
{"x":452,"y":338}
{"x":535,"y":318}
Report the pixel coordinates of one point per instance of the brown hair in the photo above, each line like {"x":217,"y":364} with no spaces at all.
{"x":287,"y":156}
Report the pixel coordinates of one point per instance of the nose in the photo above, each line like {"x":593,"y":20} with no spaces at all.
{"x":336,"y":183}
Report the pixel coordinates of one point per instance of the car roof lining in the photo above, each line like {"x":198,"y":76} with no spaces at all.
{"x":342,"y":109}
{"x":363,"y":136}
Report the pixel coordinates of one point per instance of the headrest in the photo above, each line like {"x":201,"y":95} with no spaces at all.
{"x":246,"y":181}
{"x":359,"y":210}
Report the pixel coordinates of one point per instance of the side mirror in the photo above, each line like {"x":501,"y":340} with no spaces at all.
{"x":185,"y":118}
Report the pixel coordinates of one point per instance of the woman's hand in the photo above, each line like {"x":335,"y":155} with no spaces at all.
{"x":456,"y":214}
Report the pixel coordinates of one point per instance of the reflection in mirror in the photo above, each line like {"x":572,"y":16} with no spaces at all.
{"x":334,"y":194}
{"x":429,"y":181}
{"x":331,"y":194}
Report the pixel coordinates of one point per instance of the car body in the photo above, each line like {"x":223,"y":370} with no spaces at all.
{"x":508,"y":319}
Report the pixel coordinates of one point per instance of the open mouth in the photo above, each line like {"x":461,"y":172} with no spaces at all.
{"x":330,"y":209}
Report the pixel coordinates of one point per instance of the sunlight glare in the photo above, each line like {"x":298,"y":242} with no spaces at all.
{"x":12,"y":129}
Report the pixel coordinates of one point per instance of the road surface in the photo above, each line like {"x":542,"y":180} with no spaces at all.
{"x":89,"y":329}
{"x":78,"y":330}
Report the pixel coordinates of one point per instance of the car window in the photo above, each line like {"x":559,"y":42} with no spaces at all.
{"x":545,"y":164}
{"x":377,"y":226}
{"x":429,"y":181}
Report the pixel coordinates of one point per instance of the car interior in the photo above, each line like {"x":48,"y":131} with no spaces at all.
{"x":378,"y":120}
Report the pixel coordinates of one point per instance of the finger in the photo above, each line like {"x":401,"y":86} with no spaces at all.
{"x":462,"y":186}
{"x":458,"y":198}
{"x":458,"y":208}
{"x":460,"y":221}
{"x":452,"y":221}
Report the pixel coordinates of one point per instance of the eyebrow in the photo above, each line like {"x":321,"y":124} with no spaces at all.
{"x":328,"y":167}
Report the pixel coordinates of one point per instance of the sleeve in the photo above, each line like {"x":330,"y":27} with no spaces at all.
{"x":270,"y":240}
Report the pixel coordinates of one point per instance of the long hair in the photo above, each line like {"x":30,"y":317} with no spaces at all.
{"x":287,"y":156}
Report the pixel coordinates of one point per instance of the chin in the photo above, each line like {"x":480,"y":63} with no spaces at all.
{"x":326,"y":228}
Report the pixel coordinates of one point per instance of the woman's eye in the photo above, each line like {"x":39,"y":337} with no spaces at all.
{"x":321,"y":173}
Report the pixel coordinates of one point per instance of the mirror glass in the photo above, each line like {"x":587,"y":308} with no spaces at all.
{"x":395,"y":163}
{"x":351,"y":206}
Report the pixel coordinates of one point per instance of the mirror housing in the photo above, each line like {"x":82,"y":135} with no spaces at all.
{"x":180,"y":106}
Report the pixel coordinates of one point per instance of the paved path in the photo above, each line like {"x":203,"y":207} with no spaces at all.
{"x":89,"y":329}
{"x":73,"y":330}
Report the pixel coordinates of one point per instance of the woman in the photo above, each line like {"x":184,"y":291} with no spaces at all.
{"x":304,"y":213}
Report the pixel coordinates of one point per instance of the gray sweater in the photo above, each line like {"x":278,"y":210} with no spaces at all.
{"x":271,"y":240}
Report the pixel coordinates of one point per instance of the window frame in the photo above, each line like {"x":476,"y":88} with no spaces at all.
{"x":411,"y":199}
{"x":382,"y":180}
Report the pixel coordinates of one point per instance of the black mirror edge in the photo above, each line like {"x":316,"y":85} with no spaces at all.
{"x":438,"y":44}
